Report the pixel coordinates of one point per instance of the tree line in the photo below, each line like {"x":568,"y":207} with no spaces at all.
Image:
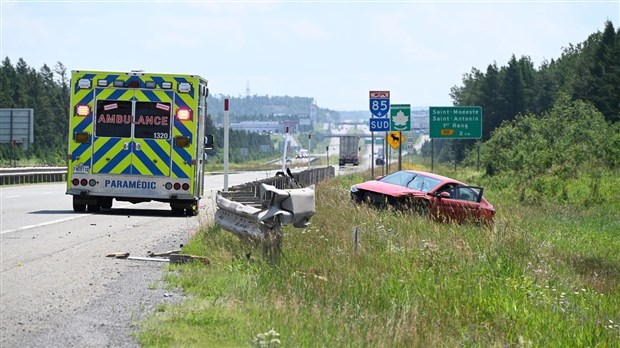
{"x":588,"y":71}
{"x":47,"y":91}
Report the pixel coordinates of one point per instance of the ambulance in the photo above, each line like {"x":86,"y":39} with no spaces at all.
{"x":137,"y":137}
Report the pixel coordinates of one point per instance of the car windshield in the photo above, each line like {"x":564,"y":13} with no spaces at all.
{"x":411,"y":180}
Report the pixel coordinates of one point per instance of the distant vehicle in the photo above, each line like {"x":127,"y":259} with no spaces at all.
{"x":380,"y":160}
{"x":438,"y":197}
{"x":303,"y":153}
{"x":349,"y":150}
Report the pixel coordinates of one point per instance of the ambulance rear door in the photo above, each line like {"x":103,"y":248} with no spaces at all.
{"x":132,"y":131}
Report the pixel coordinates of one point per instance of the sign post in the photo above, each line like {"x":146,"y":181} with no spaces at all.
{"x":400,"y":121}
{"x":379,"y":108}
{"x":226,"y":143}
{"x":455,"y":122}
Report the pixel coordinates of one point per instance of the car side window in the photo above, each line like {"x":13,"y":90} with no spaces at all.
{"x":462,"y":193}
{"x":467,"y":194}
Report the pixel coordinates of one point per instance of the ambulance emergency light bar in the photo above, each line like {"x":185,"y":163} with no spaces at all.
{"x":184,"y":87}
{"x":84,"y":83}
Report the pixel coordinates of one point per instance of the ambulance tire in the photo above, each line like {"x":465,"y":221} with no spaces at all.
{"x":93,"y":208}
{"x":106,"y":203}
{"x":191,"y":211}
{"x":178,"y":211}
{"x":79,"y":208}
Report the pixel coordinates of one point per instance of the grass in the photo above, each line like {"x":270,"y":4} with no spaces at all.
{"x":543,"y":275}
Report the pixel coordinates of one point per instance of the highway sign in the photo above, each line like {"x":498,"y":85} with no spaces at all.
{"x":400,"y":117}
{"x":395,"y":139}
{"x":379,"y":124}
{"x":455,"y":122}
{"x":379,"y":103}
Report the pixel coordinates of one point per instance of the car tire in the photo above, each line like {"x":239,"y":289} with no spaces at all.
{"x":421,"y":207}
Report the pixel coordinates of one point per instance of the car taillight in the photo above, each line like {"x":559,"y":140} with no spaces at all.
{"x":185,"y":186}
{"x":75,"y":181}
{"x":177,"y":186}
{"x":83,"y":182}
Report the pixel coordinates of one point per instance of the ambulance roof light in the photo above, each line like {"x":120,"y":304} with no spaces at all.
{"x":85,"y":83}
{"x":166,"y":85}
{"x":119,"y":83}
{"x":150,"y":84}
{"x":185,"y":87}
{"x":102,"y":83}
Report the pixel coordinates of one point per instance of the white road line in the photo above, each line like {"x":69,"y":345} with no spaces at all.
{"x":23,"y":228}
{"x":44,"y":224}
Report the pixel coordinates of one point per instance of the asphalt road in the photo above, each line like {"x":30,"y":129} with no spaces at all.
{"x":58,"y":288}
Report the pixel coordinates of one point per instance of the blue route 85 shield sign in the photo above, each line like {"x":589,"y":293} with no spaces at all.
{"x":379,"y":103}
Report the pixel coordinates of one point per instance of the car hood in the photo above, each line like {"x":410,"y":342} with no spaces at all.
{"x":387,"y":189}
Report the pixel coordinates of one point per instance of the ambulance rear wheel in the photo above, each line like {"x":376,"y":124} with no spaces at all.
{"x":106,"y":203}
{"x":78,"y":208}
{"x":93,"y":208}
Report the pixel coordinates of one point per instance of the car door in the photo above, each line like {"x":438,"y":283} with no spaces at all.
{"x":462,"y":204}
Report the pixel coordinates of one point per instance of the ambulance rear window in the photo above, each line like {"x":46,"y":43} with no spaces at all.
{"x":152,"y":120}
{"x":113,"y":118}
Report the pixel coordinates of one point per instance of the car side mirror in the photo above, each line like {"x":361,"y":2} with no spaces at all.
{"x":444,"y":194}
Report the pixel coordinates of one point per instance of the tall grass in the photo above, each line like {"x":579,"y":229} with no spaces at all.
{"x":543,"y":275}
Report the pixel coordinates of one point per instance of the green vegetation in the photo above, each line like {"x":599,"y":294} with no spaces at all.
{"x":588,"y":71}
{"x":47,"y":91}
{"x":544,"y":275}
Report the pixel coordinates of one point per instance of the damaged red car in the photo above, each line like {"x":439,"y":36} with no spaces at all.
{"x":438,"y":197}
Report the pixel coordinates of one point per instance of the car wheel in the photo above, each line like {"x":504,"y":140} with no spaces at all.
{"x":421,"y":207}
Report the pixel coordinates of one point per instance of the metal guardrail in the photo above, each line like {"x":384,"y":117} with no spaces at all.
{"x":257,"y":210}
{"x":249,"y":193}
{"x":31,"y":175}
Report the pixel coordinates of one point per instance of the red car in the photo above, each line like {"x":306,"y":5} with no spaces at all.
{"x":429,"y":194}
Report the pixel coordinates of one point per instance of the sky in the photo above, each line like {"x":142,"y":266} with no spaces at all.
{"x":332,"y":51}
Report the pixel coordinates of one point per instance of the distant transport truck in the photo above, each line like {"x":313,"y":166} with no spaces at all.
{"x":137,"y":137}
{"x":349,"y":150}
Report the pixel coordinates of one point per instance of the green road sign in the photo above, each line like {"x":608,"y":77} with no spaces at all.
{"x":455,"y":122}
{"x":400,"y":117}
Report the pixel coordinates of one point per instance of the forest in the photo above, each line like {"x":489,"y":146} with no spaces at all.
{"x":47,"y":92}
{"x":588,"y":72}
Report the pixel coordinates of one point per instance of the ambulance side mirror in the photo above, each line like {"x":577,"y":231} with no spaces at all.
{"x":208,"y":142}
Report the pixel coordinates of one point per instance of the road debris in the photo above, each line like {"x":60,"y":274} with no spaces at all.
{"x":174,"y":257}
{"x":120,"y":255}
